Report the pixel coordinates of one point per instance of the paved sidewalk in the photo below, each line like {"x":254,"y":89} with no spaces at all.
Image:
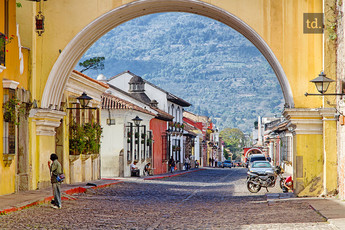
{"x":18,"y":201}
{"x":331,"y":209}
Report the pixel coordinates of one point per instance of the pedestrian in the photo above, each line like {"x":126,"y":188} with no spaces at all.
{"x":55,"y":170}
{"x":148,"y":170}
{"x":172,"y":164}
{"x":186,"y":163}
{"x":134,"y":169}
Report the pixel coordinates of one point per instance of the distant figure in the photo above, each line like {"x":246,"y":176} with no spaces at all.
{"x":172,"y":164}
{"x":148,"y":170}
{"x":196,"y":164}
{"x":134,"y":169}
{"x":55,"y":170}
{"x":186,"y":163}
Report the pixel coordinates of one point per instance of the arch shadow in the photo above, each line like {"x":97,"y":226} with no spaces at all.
{"x":75,"y":49}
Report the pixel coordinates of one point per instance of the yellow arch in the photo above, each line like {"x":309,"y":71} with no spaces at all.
{"x":93,"y":31}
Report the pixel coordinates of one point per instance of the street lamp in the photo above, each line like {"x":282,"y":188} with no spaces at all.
{"x":322,"y":83}
{"x":84,"y":100}
{"x":137,"y":120}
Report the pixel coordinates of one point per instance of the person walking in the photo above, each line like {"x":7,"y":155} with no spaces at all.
{"x":55,"y":170}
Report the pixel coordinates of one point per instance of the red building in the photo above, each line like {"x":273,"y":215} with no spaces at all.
{"x":160,"y":154}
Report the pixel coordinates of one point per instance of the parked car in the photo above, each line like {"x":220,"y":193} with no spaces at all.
{"x":227,"y":163}
{"x":220,"y":164}
{"x":237,"y":164}
{"x":256,"y":157}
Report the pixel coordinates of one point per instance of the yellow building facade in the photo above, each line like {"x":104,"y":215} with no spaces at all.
{"x":16,"y":102}
{"x":274,"y":27}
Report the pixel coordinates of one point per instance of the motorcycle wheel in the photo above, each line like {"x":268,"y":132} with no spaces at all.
{"x":285,"y":190}
{"x":253,"y":188}
{"x":282,"y":183}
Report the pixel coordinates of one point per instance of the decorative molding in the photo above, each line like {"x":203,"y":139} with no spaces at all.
{"x":2,"y":68}
{"x":74,"y":50}
{"x":9,"y":84}
{"x":304,"y":121}
{"x":46,"y":120}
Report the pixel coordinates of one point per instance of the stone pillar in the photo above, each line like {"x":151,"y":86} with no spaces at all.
{"x":330,"y":165}
{"x":43,"y":143}
{"x":307,"y":151}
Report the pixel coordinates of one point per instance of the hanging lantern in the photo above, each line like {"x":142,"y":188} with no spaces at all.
{"x":39,"y":23}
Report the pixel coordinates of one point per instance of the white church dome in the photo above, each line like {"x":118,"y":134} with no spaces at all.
{"x":101,"y":77}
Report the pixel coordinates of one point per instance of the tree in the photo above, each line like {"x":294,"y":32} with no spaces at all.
{"x":226,"y":154}
{"x":94,"y":63}
{"x":234,"y":140}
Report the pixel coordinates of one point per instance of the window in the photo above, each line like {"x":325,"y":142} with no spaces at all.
{"x":9,"y":138}
{"x":129,"y":141}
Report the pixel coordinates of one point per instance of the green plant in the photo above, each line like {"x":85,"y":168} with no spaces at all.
{"x":3,"y":42}
{"x":12,"y":108}
{"x":85,"y":139}
{"x":94,"y":63}
{"x":149,"y":142}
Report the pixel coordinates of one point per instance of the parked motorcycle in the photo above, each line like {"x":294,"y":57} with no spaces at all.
{"x":256,"y":179}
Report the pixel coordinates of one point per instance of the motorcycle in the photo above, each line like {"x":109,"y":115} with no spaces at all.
{"x":257,"y":180}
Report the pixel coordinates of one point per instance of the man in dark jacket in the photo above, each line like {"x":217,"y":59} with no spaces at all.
{"x":55,"y":170}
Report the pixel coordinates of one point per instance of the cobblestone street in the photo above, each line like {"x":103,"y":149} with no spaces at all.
{"x":208,"y":199}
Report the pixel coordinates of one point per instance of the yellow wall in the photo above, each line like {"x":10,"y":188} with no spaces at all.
{"x":7,"y":173}
{"x":278,"y":22}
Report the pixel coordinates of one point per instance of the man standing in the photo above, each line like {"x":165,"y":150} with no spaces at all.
{"x":55,"y":171}
{"x":172,"y":164}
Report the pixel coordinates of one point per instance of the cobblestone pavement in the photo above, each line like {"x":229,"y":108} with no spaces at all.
{"x":208,"y":199}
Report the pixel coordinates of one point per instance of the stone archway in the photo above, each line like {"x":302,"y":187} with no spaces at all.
{"x":92,"y":32}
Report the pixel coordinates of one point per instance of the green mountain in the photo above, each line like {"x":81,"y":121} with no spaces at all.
{"x":198,"y":59}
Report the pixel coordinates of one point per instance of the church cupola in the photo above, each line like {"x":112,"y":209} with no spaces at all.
{"x":136,"y":84}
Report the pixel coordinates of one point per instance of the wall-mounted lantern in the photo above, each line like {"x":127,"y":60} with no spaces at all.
{"x":84,"y":101}
{"x":322,"y":83}
{"x":39,"y":23}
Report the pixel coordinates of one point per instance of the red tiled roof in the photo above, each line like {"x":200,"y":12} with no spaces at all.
{"x":91,"y":79}
{"x":112,"y":102}
{"x":162,"y":114}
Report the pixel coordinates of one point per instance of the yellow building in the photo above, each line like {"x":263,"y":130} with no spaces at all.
{"x":274,"y":27}
{"x":16,"y":103}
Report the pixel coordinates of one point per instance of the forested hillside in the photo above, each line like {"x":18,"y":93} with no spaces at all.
{"x":198,"y":59}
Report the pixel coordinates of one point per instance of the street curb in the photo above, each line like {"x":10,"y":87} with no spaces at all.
{"x":63,"y":197}
{"x":172,"y":175}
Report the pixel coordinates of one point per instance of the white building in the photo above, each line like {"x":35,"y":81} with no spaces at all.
{"x":148,"y":93}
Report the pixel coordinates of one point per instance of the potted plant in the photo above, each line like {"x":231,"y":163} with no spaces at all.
{"x":149,"y":142}
{"x":12,"y":108}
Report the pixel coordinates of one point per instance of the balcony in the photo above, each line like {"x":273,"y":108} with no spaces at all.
{"x":2,"y":49}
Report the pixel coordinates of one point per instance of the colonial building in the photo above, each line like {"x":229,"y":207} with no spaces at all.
{"x":82,"y":128}
{"x":16,"y":158}
{"x":170,"y":105}
{"x":123,"y":141}
{"x":157,"y":125}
